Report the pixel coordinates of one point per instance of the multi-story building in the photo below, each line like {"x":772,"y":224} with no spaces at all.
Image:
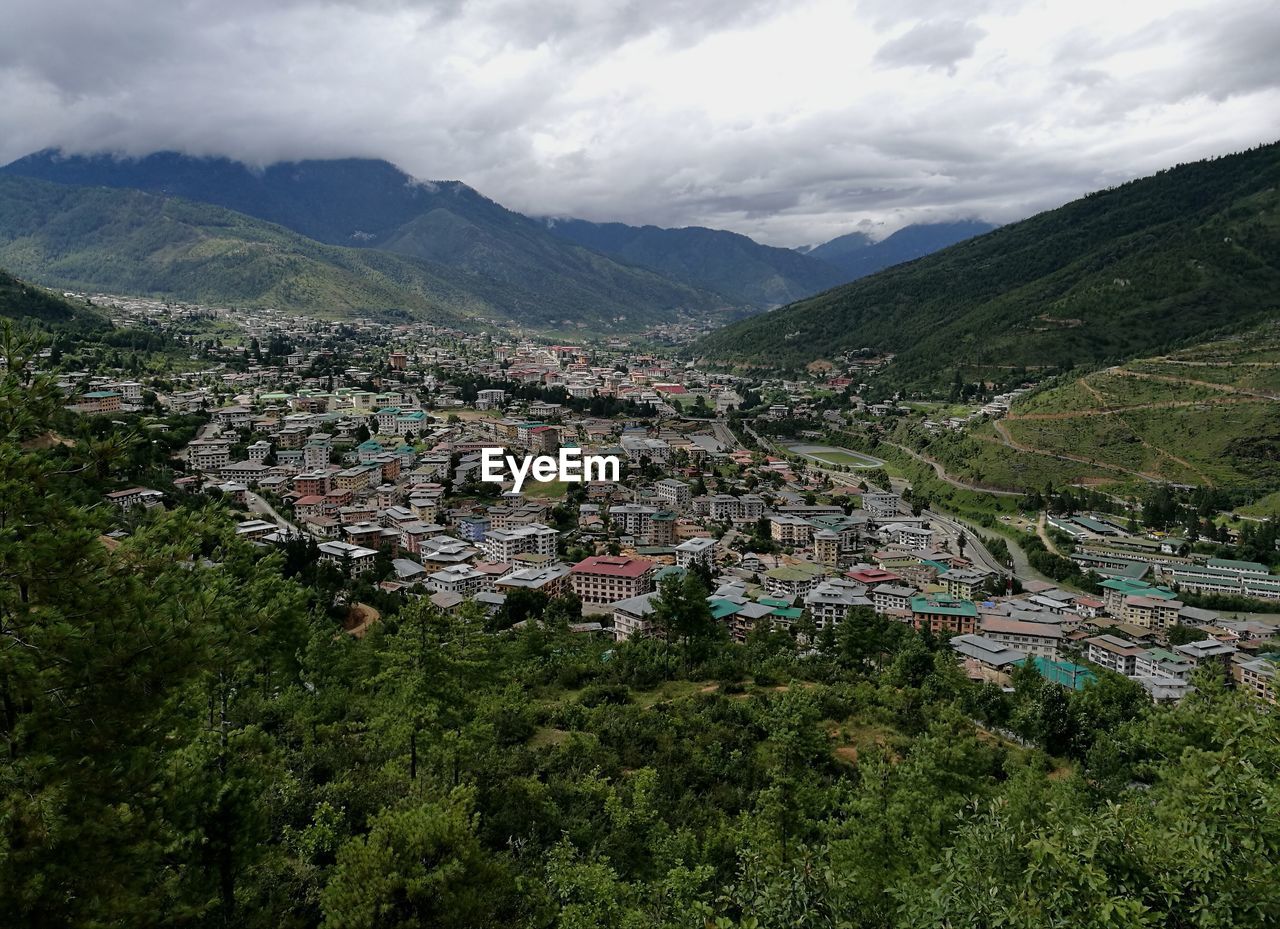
{"x":610,"y":578}
{"x":551,"y":579}
{"x":1117,"y":654}
{"x":315,"y":454}
{"x":881,"y":506}
{"x":827,"y":548}
{"x":787,"y":529}
{"x":1035,"y":638}
{"x":830,"y":602}
{"x":1258,"y":678}
{"x":696,"y":551}
{"x":674,"y":494}
{"x":506,"y":544}
{"x":940,"y":613}
{"x":463,"y":579}
{"x":964,"y":583}
{"x":209,"y":454}
{"x":892,"y":599}
{"x":356,"y":558}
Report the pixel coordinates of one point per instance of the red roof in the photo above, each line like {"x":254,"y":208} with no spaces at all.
{"x":613,"y":565}
{"x":871,"y":576}
{"x":309,"y":500}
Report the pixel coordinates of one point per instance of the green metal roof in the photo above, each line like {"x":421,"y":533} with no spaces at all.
{"x":946,"y":606}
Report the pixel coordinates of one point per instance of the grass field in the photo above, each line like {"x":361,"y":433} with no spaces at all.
{"x":545,"y":489}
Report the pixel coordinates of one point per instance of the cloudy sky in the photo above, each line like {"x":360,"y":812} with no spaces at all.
{"x":790,"y":121}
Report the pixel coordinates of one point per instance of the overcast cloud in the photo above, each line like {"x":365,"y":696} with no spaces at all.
{"x":789,"y":121}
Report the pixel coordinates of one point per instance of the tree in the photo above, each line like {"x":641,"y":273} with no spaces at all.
{"x":420,"y":865}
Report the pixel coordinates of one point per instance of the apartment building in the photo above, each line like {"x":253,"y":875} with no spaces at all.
{"x":609,"y":578}
{"x":506,"y":544}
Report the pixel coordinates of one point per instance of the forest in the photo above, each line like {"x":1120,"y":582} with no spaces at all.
{"x":189,"y":738}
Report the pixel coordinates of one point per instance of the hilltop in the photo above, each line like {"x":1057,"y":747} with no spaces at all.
{"x":1135,"y":269}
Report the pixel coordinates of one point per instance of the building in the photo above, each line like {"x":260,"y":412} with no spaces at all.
{"x":964,"y":583}
{"x":1258,"y":677}
{"x":830,"y":602}
{"x":461,"y":579}
{"x":892,"y":599}
{"x":940,"y":613}
{"x":1115,"y":654}
{"x":532,"y":538}
{"x":100,"y":401}
{"x":986,"y":653}
{"x":915,"y":538}
{"x":881,"y":506}
{"x":674,"y":494}
{"x":1034,"y":638}
{"x":631,"y":617}
{"x":552,"y":580}
{"x":610,"y":578}
{"x":795,"y":580}
{"x":356,"y":558}
{"x":696,"y":551}
{"x":209,"y":454}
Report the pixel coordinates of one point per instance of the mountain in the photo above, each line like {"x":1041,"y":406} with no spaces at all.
{"x":126,"y":241}
{"x":738,"y":268}
{"x":492,"y":257}
{"x":29,"y":305}
{"x":856,"y":255}
{"x":1126,"y":271}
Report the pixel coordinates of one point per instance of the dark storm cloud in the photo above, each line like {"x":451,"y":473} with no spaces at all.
{"x":790,"y":121}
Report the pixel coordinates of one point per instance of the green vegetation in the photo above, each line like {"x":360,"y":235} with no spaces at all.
{"x":125,"y":241}
{"x":184,"y":707}
{"x":1203,"y":415}
{"x":353,"y":237}
{"x":1145,"y":266}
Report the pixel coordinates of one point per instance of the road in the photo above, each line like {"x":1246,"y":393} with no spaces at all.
{"x":257,"y":505}
{"x":1021,"y":567}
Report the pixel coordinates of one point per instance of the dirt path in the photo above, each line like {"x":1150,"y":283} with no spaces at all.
{"x":1008,"y":440}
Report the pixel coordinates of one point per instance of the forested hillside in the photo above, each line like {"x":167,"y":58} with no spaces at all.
{"x":744,"y":271}
{"x":1126,"y":271}
{"x":188,"y":737}
{"x":469,"y":254}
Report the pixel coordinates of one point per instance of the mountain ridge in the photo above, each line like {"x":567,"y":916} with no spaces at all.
{"x":1127,"y":270}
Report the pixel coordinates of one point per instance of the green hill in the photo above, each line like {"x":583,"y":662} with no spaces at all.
{"x":478,"y":255}
{"x":1127,"y":271}
{"x":727,"y":263}
{"x":125,"y":241}
{"x":27,"y":304}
